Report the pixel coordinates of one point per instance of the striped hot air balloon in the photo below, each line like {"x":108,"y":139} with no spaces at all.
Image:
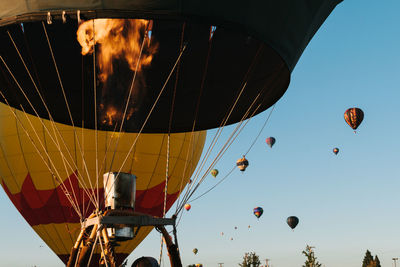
{"x":354,"y":117}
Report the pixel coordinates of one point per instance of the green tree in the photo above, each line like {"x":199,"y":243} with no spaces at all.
{"x":377,"y":261}
{"x":250,"y":260}
{"x":311,"y":259}
{"x":367,"y":259}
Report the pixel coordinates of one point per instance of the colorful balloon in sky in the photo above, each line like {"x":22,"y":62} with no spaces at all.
{"x":214,"y":172}
{"x":195,"y":250}
{"x":270,"y":141}
{"x":258,"y":211}
{"x":188,"y":206}
{"x":242,"y":164}
{"x":336,"y":150}
{"x":354,"y":117}
{"x":292,"y":221}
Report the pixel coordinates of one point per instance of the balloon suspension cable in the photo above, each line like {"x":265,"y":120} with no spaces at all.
{"x":40,"y":154}
{"x":251,"y":146}
{"x":94,"y":246}
{"x":149,"y":114}
{"x":253,"y":113}
{"x":146,"y":36}
{"x":96,"y":136}
{"x":56,"y":130}
{"x":66,"y":102}
{"x":189,"y":193}
{"x":230,"y":172}
{"x":195,"y":116}
{"x":23,"y":92}
{"x":216,"y":137}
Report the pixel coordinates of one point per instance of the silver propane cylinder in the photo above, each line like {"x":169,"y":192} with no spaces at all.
{"x":119,"y":193}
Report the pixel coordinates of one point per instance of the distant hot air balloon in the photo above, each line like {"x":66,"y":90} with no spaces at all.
{"x":336,"y":150}
{"x":222,"y":233}
{"x":195,"y":250}
{"x":187,"y":206}
{"x":231,"y":238}
{"x":242,"y":164}
{"x":258,"y":211}
{"x":214,"y":172}
{"x":292,"y":221}
{"x":248,"y":226}
{"x":270,"y":141}
{"x":354,"y":117}
{"x":235,"y":227}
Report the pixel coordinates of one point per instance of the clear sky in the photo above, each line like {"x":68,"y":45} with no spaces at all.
{"x":346,"y":203}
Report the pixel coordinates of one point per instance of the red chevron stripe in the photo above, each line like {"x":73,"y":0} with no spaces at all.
{"x":52,"y":206}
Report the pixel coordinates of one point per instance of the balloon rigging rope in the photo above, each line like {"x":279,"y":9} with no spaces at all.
{"x":262,"y":128}
{"x":33,"y":108}
{"x":227,"y":144}
{"x":67,"y":105}
{"x":195,"y":118}
{"x":188,"y":193}
{"x":166,"y":177}
{"x":128,"y":99}
{"x":223,"y":123}
{"x":96,"y":136}
{"x":47,"y":109}
{"x":66,"y":192}
{"x":230,"y":172}
{"x":40,"y":154}
{"x":150,"y":112}
{"x":93,"y":247}
{"x":54,"y":126}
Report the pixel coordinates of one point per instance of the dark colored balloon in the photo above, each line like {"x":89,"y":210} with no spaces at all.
{"x":258,"y":211}
{"x":336,"y":150}
{"x":354,"y":117}
{"x":270,"y":141}
{"x":258,"y":47}
{"x":292,"y":221}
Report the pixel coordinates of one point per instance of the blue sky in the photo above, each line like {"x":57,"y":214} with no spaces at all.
{"x":346,"y":203}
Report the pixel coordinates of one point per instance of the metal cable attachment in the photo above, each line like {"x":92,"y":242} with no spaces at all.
{"x":64,"y":17}
{"x":49,"y":18}
{"x":78,"y":16}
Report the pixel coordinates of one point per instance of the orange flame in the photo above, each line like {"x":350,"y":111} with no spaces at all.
{"x":118,"y":38}
{"x":110,"y":116}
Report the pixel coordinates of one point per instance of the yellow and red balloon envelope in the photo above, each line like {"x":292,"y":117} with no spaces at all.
{"x":41,"y":198}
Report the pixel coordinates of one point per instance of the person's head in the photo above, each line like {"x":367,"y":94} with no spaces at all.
{"x":145,"y":262}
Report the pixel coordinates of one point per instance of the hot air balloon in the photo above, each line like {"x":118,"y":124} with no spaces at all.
{"x":188,"y":207}
{"x":336,"y":150}
{"x":248,"y":226}
{"x":292,"y":221}
{"x":270,"y":141}
{"x":354,"y":117}
{"x":242,"y":164}
{"x":214,"y":172}
{"x":231,"y":238}
{"x":195,"y":250}
{"x":222,"y":233}
{"x":130,"y":87}
{"x":235,"y":227}
{"x":258,"y":211}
